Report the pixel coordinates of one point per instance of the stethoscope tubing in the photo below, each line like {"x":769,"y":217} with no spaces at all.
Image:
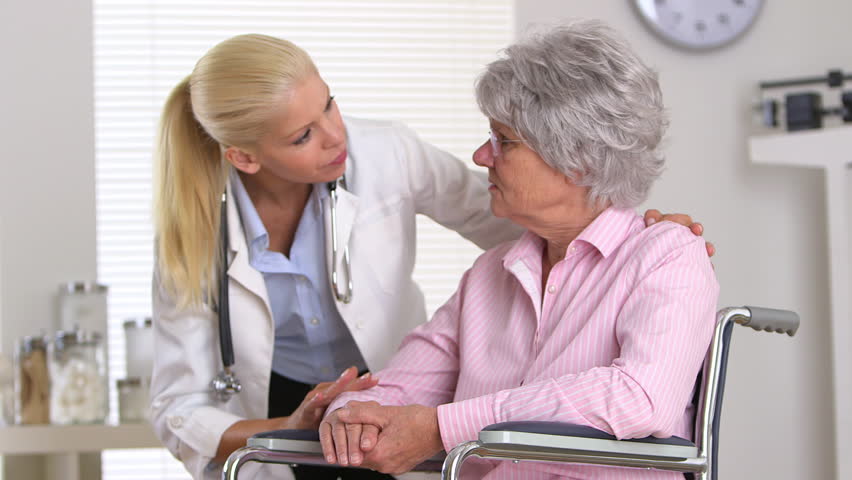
{"x":225,"y":343}
{"x":345,"y":297}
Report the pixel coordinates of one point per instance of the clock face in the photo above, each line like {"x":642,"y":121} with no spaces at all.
{"x":698,"y":24}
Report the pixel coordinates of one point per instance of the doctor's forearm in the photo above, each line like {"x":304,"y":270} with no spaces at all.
{"x":236,"y":435}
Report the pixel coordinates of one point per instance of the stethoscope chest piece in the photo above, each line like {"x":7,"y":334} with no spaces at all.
{"x":225,"y":385}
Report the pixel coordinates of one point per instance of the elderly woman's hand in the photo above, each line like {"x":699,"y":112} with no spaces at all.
{"x":389,"y":439}
{"x":309,"y":413}
{"x":653,"y":216}
{"x":346,"y":443}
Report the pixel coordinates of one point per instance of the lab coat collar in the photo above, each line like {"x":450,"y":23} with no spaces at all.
{"x":239,"y":269}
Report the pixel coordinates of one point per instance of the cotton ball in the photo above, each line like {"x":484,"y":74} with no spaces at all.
{"x":79,"y":395}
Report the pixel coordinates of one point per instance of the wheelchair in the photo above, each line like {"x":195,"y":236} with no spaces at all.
{"x":566,"y":443}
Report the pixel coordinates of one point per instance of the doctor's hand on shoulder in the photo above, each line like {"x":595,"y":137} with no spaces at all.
{"x":653,"y":216}
{"x":306,"y":417}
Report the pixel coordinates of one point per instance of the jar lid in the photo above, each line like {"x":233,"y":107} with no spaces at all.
{"x":30,"y":343}
{"x":82,"y":287}
{"x":141,"y":322}
{"x":129,"y":382}
{"x":65,"y":338}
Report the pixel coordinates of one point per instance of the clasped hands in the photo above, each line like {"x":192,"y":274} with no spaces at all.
{"x":389,"y":439}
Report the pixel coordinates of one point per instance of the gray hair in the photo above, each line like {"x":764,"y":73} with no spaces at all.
{"x":581,"y":98}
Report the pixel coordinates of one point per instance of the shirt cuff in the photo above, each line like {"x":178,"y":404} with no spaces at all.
{"x":375,"y":394}
{"x":344,"y":398}
{"x":202,"y":430}
{"x":461,"y":421}
{"x":337,"y":403}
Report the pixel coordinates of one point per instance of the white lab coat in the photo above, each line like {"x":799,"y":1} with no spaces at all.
{"x":391,"y":176}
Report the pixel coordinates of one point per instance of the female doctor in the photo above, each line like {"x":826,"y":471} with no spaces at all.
{"x":310,"y":264}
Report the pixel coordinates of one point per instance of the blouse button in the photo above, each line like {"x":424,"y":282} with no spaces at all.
{"x":176,"y":421}
{"x":551,"y":289}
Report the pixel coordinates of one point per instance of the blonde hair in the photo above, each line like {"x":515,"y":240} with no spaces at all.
{"x":226,"y":101}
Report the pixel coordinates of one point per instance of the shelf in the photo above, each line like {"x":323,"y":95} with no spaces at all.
{"x":51,"y":439}
{"x":807,"y":148}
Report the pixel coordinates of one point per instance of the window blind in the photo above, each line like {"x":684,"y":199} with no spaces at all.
{"x":413,"y":61}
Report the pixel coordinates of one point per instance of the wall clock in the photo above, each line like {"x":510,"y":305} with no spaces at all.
{"x":698,"y":24}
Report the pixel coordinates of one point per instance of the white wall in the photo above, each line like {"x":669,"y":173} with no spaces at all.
{"x":767,"y":222}
{"x":47,"y":186}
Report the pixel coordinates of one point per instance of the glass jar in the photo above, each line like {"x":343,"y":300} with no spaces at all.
{"x":7,"y":391}
{"x":132,"y":399}
{"x":78,"y":377}
{"x":32,"y":382}
{"x":82,"y":305}
{"x":139,"y":347}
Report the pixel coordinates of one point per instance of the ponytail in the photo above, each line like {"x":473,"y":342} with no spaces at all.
{"x":189,"y":178}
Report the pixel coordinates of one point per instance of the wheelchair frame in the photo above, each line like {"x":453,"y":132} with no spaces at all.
{"x":565,"y":443}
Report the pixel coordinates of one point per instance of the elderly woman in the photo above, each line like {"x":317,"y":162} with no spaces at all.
{"x":588,"y":318}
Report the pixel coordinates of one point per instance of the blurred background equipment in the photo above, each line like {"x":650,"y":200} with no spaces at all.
{"x":803,"y":110}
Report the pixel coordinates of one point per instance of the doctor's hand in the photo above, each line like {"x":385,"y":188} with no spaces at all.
{"x":653,"y":216}
{"x":306,"y":417}
{"x":309,"y":413}
{"x":406,"y":436}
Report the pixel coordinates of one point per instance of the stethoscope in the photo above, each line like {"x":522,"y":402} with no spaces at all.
{"x":225,"y":384}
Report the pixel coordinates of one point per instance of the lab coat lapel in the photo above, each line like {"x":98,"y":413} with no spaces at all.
{"x":240,"y":270}
{"x":347,"y":208}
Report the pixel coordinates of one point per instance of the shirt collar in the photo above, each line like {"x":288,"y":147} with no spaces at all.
{"x":605,"y":233}
{"x":252,"y":224}
{"x":609,"y":229}
{"x":526,"y":249}
{"x":256,"y":235}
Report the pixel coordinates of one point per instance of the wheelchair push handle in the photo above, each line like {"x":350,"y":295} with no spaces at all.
{"x":771,"y":320}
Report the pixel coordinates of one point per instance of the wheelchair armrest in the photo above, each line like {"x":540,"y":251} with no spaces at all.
{"x":304,"y":442}
{"x":580,"y":439}
{"x":305,"y":447}
{"x":557,"y":442}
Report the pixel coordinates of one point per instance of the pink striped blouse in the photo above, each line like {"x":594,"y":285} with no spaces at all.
{"x":614,"y":341}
